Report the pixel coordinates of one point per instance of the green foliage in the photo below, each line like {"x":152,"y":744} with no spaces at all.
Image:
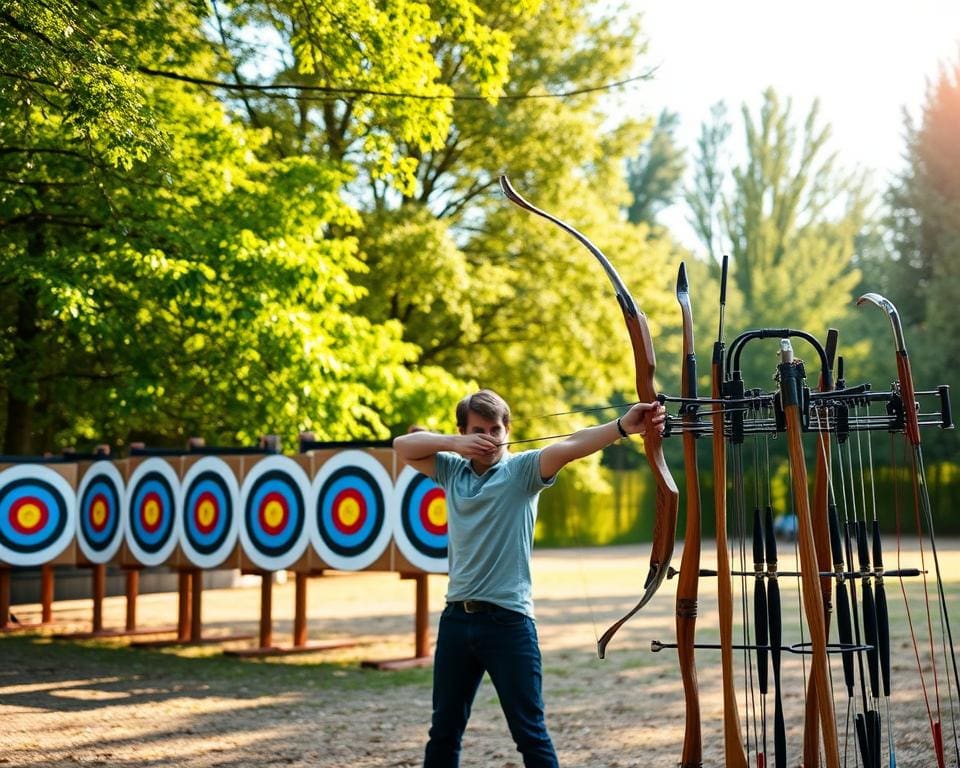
{"x":197,"y":290}
{"x":787,"y":217}
{"x":377,"y":52}
{"x":925,"y":225}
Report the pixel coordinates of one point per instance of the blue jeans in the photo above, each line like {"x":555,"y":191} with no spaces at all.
{"x":503,"y":643}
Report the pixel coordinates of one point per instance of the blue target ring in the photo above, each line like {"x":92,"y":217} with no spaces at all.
{"x":350,"y":525}
{"x":274,"y":513}
{"x":423,"y":517}
{"x":351,"y":512}
{"x":207,"y":512}
{"x":419,"y":510}
{"x":150,"y":511}
{"x":33,"y":516}
{"x":100,"y":510}
{"x":273,"y":521}
{"x":38,"y":509}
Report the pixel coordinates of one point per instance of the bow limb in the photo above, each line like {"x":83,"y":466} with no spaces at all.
{"x":791,"y":384}
{"x":821,"y":536}
{"x":667,"y":495}
{"x":687,"y":584}
{"x":734,"y":753}
{"x":904,"y":373}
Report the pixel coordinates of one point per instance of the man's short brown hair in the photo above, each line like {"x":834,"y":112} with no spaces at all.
{"x":485,"y":403}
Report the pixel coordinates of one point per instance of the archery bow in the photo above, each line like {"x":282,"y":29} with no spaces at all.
{"x":667,"y":495}
{"x":821,"y":536}
{"x":735,"y":755}
{"x":791,"y":384}
{"x":922,"y":494}
{"x":687,"y":586}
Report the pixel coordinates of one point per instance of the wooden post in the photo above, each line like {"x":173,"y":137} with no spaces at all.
{"x":300,"y":611}
{"x":422,"y":628}
{"x":266,"y":610}
{"x":4,"y":597}
{"x":133,"y":590}
{"x":421,"y":624}
{"x":183,"y":607}
{"x":196,"y":621}
{"x":99,"y":592}
{"x":300,"y":642}
{"x":46,"y":594}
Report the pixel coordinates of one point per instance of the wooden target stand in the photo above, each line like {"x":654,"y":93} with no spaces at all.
{"x":8,"y":623}
{"x":300,"y":643}
{"x":189,"y":629}
{"x":98,"y":574}
{"x":422,"y":656}
{"x":308,"y":566}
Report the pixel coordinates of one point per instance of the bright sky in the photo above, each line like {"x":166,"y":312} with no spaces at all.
{"x":865,"y":61}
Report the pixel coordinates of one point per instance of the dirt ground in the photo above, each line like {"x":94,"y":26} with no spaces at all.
{"x":64,"y":703}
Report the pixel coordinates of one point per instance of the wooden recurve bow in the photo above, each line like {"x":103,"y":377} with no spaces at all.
{"x":791,"y":376}
{"x":921,"y":493}
{"x":734,"y":753}
{"x":645,"y":363}
{"x":688,"y":582}
{"x":821,"y":536}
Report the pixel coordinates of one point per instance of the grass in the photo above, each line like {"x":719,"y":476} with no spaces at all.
{"x":33,"y":654}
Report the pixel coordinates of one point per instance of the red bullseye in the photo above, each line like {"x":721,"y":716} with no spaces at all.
{"x":274,"y":513}
{"x":28,"y":515}
{"x":206,"y":512}
{"x":349,"y":511}
{"x":151,"y":512}
{"x":433,"y":512}
{"x":99,"y":512}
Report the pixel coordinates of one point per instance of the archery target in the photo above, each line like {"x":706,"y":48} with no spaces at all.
{"x":37,"y":514}
{"x":207,"y":509}
{"x":419,"y":513}
{"x":350,"y":527}
{"x":100,"y":512}
{"x":273,"y":500}
{"x":150,"y":511}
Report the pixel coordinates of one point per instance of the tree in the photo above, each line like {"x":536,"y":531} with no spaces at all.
{"x":165,"y":273}
{"x":463,"y":272}
{"x":654,"y":175}
{"x":787,"y":217}
{"x":924,"y":271}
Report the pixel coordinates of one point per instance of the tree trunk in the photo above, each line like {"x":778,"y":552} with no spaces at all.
{"x":18,"y":433}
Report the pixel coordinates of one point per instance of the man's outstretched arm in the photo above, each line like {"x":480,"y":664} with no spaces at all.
{"x":636,"y":421}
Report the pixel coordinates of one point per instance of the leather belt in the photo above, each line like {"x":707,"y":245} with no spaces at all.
{"x":474,"y":606}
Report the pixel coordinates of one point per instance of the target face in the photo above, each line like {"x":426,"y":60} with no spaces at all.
{"x":150,"y":511}
{"x":37,"y":514}
{"x":420,"y":521}
{"x":273,"y":500}
{"x":100,"y":512}
{"x":350,"y":527}
{"x":207,"y":522}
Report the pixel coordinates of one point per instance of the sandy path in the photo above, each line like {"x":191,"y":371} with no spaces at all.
{"x":103,"y":704}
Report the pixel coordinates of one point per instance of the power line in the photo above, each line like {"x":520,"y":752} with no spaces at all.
{"x":276,"y":89}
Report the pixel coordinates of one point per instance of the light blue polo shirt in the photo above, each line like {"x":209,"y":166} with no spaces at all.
{"x":490,"y":521}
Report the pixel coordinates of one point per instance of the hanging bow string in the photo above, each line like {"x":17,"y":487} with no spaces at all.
{"x":734,"y":752}
{"x":667,"y":495}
